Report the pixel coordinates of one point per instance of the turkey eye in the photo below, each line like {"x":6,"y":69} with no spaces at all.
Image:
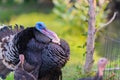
{"x":40,"y":25}
{"x":102,"y":60}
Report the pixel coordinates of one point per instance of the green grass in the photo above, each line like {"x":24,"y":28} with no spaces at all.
{"x":10,"y":77}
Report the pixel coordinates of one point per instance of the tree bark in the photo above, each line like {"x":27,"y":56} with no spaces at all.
{"x":91,"y":37}
{"x":45,"y":1}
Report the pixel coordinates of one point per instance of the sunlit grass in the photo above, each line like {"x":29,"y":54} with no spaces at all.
{"x":10,"y":77}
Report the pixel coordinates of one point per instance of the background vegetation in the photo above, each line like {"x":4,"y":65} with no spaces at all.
{"x":69,"y":19}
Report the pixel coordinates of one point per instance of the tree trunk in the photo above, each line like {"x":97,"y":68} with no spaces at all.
{"x":45,"y":1}
{"x":91,"y":37}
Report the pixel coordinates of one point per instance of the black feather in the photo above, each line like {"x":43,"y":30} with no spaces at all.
{"x":5,"y":35}
{"x":22,"y":38}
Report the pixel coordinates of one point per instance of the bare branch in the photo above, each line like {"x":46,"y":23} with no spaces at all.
{"x":110,"y":21}
{"x":109,"y":69}
{"x":112,"y":69}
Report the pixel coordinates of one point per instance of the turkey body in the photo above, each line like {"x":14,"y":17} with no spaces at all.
{"x":49,"y":56}
{"x":43,"y":58}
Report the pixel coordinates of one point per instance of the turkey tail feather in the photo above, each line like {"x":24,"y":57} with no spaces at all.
{"x":3,"y":70}
{"x":6,"y":34}
{"x":6,"y":31}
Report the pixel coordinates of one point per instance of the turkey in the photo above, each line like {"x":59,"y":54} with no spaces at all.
{"x":44,"y":53}
{"x":101,"y":66}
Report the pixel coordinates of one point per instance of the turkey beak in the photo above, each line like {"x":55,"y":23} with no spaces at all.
{"x":52,"y":35}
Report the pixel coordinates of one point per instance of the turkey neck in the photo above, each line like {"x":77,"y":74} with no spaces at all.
{"x":22,"y":38}
{"x":100,"y":71}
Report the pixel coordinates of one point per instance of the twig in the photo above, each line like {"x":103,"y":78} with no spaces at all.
{"x":111,"y":76}
{"x":109,"y":69}
{"x":111,"y":20}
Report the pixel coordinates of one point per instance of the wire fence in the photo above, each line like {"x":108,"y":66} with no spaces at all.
{"x":111,"y":50}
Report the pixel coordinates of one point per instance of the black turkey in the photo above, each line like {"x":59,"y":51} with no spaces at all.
{"x":101,"y":66}
{"x":42,"y":49}
{"x":48,"y":53}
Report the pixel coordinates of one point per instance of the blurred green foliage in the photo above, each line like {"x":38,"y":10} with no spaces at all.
{"x":11,"y":2}
{"x":75,"y":12}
